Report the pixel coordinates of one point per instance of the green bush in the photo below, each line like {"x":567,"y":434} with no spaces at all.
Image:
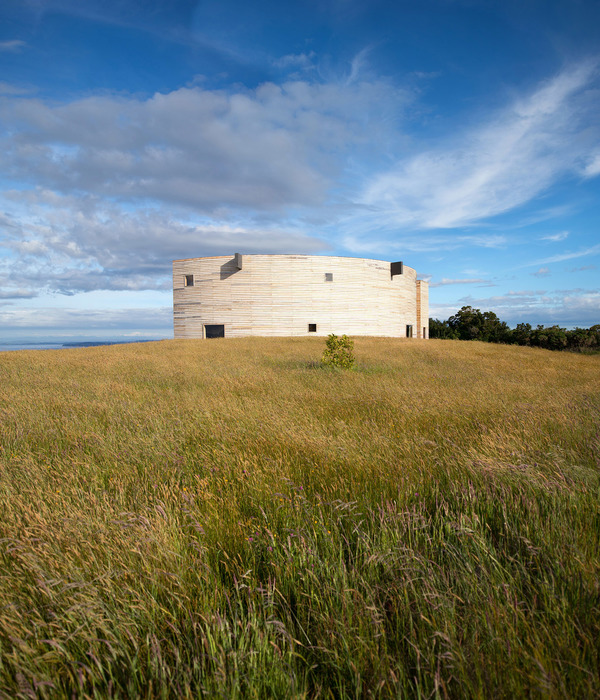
{"x":339,"y":352}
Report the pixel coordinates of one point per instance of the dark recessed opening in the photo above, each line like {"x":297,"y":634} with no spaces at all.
{"x":189,"y":280}
{"x":312,"y":327}
{"x":409,"y":332}
{"x":396,"y":268}
{"x":214,"y":331}
{"x":329,"y":277}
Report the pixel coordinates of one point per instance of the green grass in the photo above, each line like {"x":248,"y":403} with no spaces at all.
{"x":228,"y":519}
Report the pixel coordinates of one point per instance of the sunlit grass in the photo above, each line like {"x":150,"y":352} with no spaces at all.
{"x":229,"y":519}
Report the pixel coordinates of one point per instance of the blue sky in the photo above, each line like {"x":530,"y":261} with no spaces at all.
{"x":460,"y":136}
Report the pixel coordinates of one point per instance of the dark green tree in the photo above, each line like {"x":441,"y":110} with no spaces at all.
{"x":467,"y":323}
{"x":521,"y":334}
{"x":474,"y":324}
{"x":551,"y":337}
{"x":440,"y":329}
{"x":582,"y":339}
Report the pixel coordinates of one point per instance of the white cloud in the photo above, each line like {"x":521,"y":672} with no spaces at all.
{"x":592,"y":167}
{"x":542,"y":272}
{"x":266,"y":149}
{"x":297,"y":61}
{"x":593,"y":250}
{"x":112,"y":188}
{"x":494,"y":167}
{"x":70,"y":244}
{"x":556,"y":237}
{"x":17,"y":293}
{"x":524,"y":293}
{"x":364,"y":236}
{"x":445,"y":282}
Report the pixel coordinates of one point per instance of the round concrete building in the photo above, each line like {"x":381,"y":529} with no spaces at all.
{"x":294,"y":295}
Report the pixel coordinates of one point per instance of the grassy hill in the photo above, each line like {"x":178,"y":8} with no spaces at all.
{"x":229,"y":519}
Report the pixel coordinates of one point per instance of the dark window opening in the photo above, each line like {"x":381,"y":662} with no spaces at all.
{"x":214,"y":331}
{"x":409,"y":332}
{"x":329,"y":277}
{"x":396,"y":268}
{"x":312,"y":327}
{"x":189,"y":280}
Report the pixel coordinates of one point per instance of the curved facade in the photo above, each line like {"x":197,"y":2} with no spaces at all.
{"x":295,"y":295}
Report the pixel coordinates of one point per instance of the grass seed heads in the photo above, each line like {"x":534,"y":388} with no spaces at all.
{"x":218,"y":519}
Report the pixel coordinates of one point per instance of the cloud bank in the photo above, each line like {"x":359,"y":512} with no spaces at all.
{"x":268,"y":149}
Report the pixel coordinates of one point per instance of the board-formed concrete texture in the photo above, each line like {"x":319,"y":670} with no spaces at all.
{"x":296,"y":295}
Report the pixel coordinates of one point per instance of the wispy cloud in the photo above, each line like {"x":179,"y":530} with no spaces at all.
{"x":561,"y":257}
{"x":357,"y":65}
{"x":524,"y":293}
{"x":556,"y":237}
{"x":12,"y":45}
{"x":297,"y":61}
{"x":444,"y":282}
{"x":592,"y":168}
{"x":363,"y":234}
{"x":542,"y":272}
{"x":498,"y":166}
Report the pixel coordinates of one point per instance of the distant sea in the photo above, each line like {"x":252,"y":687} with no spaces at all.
{"x":60,"y":345}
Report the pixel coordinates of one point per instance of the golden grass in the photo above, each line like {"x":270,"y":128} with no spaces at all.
{"x":230,"y":518}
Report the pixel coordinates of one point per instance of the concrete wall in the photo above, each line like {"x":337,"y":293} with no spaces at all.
{"x":280,"y":295}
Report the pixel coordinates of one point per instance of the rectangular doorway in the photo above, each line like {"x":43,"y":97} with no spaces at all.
{"x":214,"y":331}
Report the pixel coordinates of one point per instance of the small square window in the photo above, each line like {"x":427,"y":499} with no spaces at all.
{"x":189,"y":280}
{"x":329,"y":277}
{"x":312,"y":327}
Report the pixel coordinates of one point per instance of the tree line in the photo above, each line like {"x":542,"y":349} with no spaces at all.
{"x":474,"y":324}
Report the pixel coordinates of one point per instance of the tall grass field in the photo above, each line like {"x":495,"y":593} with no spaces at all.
{"x":230,"y":519}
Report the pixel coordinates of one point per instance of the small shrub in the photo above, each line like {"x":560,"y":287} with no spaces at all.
{"x":339,"y":352}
